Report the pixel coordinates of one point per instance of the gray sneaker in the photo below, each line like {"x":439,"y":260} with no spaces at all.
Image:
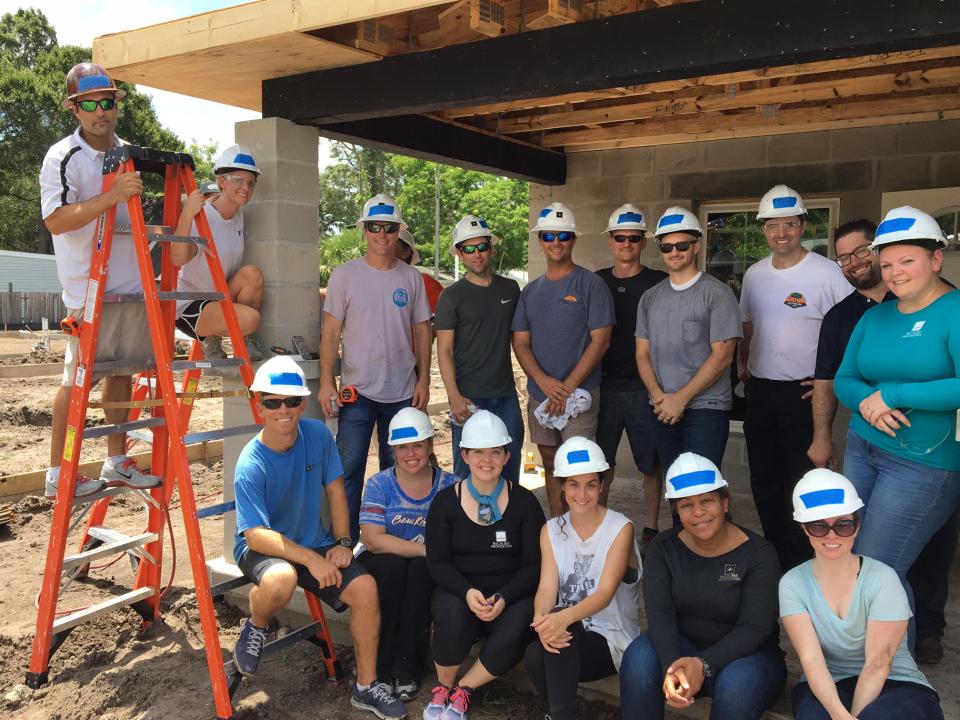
{"x":212,"y":349}
{"x":405,"y":689}
{"x":128,"y":474}
{"x":378,"y":700}
{"x":82,"y":486}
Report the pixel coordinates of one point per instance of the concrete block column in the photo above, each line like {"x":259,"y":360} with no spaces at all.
{"x":281,"y":230}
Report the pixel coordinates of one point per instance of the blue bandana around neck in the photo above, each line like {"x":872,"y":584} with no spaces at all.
{"x":488,"y":510}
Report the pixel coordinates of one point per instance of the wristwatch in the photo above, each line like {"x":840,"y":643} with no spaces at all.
{"x":707,"y":672}
{"x":346,"y":542}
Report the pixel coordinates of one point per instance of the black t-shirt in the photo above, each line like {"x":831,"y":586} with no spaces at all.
{"x":727,"y":606}
{"x":500,"y":558}
{"x":836,"y":329}
{"x":480,"y":318}
{"x":619,"y":366}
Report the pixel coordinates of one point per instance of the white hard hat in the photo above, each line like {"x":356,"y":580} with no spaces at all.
{"x":823,"y":493}
{"x":484,"y":430}
{"x":236,"y":157}
{"x":409,"y":425}
{"x":907,"y":223}
{"x":280,"y":375}
{"x":407,"y":239}
{"x":556,"y":216}
{"x":627,"y":217}
{"x":470,"y":227}
{"x":781,"y":201}
{"x":381,"y":208}
{"x":692,"y":474}
{"x":579,"y":456}
{"x":678,"y":219}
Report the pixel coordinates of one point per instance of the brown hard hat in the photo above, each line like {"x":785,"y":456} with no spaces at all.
{"x":86,"y":78}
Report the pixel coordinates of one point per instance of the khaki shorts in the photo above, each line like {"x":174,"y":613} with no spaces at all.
{"x":124,"y":335}
{"x":583,"y":425}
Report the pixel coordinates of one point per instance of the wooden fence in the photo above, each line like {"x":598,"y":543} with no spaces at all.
{"x":17,"y":308}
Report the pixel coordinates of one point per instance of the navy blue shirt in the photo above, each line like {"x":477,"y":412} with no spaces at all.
{"x":836,"y":329}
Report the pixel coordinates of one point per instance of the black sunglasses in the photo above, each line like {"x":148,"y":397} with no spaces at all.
{"x":388,"y":227}
{"x":476,"y":247}
{"x":91,"y":105}
{"x":842,"y":528}
{"x":633,"y":239}
{"x":275,"y":403}
{"x":562,"y":236}
{"x":682,"y":246}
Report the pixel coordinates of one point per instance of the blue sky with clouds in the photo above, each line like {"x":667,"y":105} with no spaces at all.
{"x":78,"y":22}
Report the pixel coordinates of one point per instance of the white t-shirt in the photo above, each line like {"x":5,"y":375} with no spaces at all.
{"x":72,"y":172}
{"x":580,"y":564}
{"x":786,"y":308}
{"x":378,"y":309}
{"x":228,"y":237}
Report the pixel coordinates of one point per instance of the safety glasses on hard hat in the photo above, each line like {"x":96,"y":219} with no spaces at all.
{"x":388,"y":227}
{"x":841,"y":528}
{"x":91,"y":105}
{"x":275,"y":403}
{"x":860,"y":253}
{"x":240,"y":181}
{"x":682,"y":246}
{"x":562,"y":236}
{"x":632,"y":239}
{"x":474,"y":247}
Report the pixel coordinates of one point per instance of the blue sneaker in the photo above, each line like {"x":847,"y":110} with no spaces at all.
{"x":439,"y":697}
{"x":378,"y":699}
{"x":246,"y":653}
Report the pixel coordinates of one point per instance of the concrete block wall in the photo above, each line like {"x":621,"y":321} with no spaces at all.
{"x":857,"y":165}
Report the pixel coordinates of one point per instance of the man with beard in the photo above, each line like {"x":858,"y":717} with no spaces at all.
{"x":930,"y":572}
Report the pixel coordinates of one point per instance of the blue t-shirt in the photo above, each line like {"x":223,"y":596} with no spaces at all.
{"x":285,"y":491}
{"x":559,"y":315}
{"x":385,"y":504}
{"x":878,"y":595}
{"x":913,"y":359}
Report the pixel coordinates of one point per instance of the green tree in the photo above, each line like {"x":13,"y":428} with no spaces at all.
{"x":33,"y":69}
{"x":204,"y":156}
{"x":339,"y":249}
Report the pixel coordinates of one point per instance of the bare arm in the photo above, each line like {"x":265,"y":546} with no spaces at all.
{"x":422,"y":347}
{"x":329,"y":350}
{"x":377,"y":540}
{"x":546,"y":598}
{"x":743,"y":354}
{"x":524,"y":352}
{"x":822,"y":452}
{"x":671,"y":406}
{"x":614,"y":567}
{"x":75,"y":215}
{"x":181,"y":253}
{"x":803,"y":636}
{"x":645,"y":368}
{"x":339,"y":510}
{"x":448,"y":372}
{"x":883,"y":639}
{"x":592,"y":355}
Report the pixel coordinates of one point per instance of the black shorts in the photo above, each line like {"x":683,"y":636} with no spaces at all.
{"x":187,"y":322}
{"x":254,"y":565}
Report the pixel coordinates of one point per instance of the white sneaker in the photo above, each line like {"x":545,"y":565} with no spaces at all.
{"x":82,"y":486}
{"x":212,"y":348}
{"x":127,"y":473}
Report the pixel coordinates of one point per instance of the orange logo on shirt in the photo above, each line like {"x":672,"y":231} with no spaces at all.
{"x":795,"y":300}
{"x":569,"y":298}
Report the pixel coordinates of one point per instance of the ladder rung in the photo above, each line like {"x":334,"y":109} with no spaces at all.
{"x":163,"y":295}
{"x":103,"y":430}
{"x":143,"y":494}
{"x":222,"y":433}
{"x":156,"y":229}
{"x":228,"y":585}
{"x":214,"y":510}
{"x":161,"y":233}
{"x":111,"y":548}
{"x":152,"y":382}
{"x":281,"y":643}
{"x":74,"y":619}
{"x":141,"y":435}
{"x":180,"y":365}
{"x":125,"y":366}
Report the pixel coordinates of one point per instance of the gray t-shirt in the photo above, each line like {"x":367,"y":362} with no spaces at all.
{"x":681,"y":325}
{"x":378,"y":309}
{"x":878,"y":595}
{"x":480,"y":319}
{"x":559,"y":315}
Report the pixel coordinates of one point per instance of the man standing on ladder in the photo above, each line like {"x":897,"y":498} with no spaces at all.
{"x":72,"y":200}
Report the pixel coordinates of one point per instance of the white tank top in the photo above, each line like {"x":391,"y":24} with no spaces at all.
{"x":228,"y":237}
{"x":580,"y":564}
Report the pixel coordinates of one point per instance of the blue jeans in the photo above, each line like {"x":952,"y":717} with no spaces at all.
{"x":742,"y":690}
{"x":354,"y":430}
{"x":508,"y":410}
{"x":898,"y":700}
{"x":702,"y":431}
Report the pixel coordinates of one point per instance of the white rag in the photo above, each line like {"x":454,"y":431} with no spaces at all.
{"x":578,"y":402}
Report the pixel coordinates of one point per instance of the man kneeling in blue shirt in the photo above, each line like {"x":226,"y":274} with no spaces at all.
{"x":285,"y":476}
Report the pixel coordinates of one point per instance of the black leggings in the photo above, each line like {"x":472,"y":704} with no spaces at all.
{"x":403,"y":586}
{"x":457,"y":628}
{"x":556,"y":675}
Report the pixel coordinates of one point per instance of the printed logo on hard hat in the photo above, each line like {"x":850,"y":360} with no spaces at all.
{"x":630,"y":217}
{"x":569,"y":299}
{"x":546,"y":211}
{"x":285,"y":378}
{"x":244,"y":158}
{"x":691,"y":479}
{"x":900,"y":224}
{"x":795,"y":300}
{"x":819,"y":498}
{"x":94,"y":82}
{"x":400,"y":298}
{"x":915,"y":331}
{"x":402,"y":433}
{"x":578,"y":456}
{"x":669,"y":220}
{"x":381,"y":209}
{"x":780,"y":203}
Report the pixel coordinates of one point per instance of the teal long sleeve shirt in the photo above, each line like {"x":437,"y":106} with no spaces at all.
{"x":914,"y":361}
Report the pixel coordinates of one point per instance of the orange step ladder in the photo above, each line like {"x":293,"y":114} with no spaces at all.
{"x":169,"y":416}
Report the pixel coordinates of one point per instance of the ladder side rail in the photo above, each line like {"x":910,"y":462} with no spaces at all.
{"x":76,"y":415}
